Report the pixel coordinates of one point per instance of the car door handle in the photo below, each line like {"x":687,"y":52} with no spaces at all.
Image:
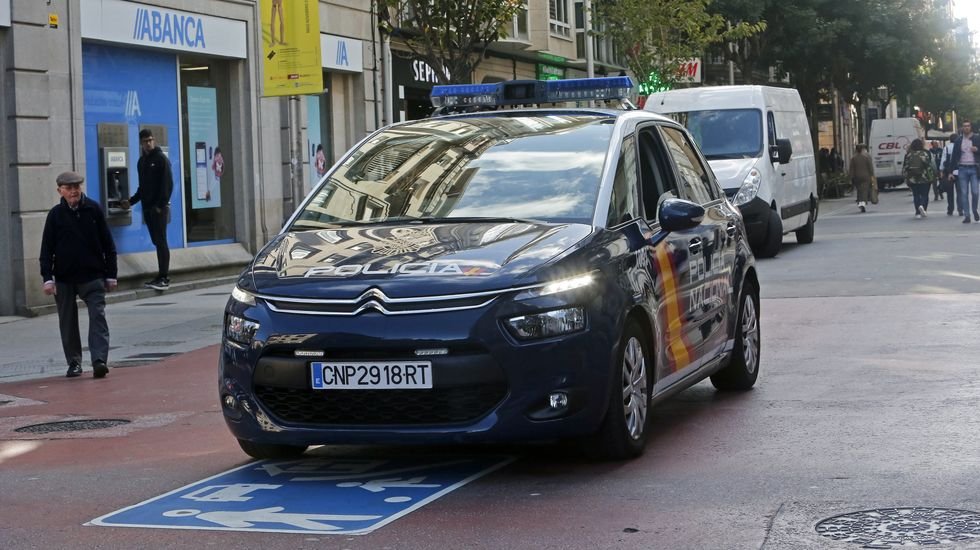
{"x":695,"y":246}
{"x":731,"y":229}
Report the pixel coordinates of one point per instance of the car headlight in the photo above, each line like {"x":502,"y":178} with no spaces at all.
{"x":547,"y":324}
{"x":565,"y":285}
{"x":240,"y":330}
{"x":243,"y":296}
{"x":750,"y":187}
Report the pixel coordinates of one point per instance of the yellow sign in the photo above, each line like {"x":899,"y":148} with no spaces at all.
{"x":291,"y":47}
{"x":53,"y":20}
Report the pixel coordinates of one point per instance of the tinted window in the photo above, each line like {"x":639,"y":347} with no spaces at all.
{"x":693,"y":179}
{"x":544,"y":168}
{"x":726,"y":133}
{"x":623,"y":202}
{"x":656,"y":177}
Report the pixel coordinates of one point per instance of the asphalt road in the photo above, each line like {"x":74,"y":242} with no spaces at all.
{"x":867,"y":400}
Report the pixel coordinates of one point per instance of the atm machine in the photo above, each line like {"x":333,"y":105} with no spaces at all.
{"x":114,"y":180}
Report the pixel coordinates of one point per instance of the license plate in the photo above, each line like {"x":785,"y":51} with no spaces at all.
{"x":388,"y":375}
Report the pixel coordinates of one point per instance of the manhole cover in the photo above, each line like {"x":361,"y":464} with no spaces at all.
{"x":885,"y":527}
{"x":72,"y":425}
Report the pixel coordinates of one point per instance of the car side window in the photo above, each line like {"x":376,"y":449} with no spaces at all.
{"x":771,"y":119}
{"x":624,"y":202}
{"x":656,"y":178}
{"x":694,"y":180}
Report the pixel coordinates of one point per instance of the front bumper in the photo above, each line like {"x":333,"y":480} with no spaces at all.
{"x":755,"y":216}
{"x":487,"y":387}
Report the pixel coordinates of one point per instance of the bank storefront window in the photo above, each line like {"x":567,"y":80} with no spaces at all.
{"x":208,"y":172}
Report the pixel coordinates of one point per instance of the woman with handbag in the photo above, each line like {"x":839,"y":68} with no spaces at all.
{"x":862,"y":172}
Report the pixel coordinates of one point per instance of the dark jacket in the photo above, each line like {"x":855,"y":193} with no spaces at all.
{"x":954,"y":161}
{"x":76,"y":246}
{"x":156,"y":182}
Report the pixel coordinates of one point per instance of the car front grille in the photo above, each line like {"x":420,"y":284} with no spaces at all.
{"x":375,"y":407}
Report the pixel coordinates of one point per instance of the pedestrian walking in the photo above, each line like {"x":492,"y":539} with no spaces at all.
{"x":919,"y":172}
{"x":937,"y":156}
{"x":861,"y":171}
{"x":78,"y":259}
{"x":964,"y":161}
{"x":156,"y":184}
{"x":948,"y":177}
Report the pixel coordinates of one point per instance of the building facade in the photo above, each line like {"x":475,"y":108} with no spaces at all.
{"x":82,"y":78}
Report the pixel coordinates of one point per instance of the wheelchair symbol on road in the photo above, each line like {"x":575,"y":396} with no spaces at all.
{"x":315,"y":495}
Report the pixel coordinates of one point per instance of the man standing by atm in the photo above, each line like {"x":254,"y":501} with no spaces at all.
{"x":156,"y":184}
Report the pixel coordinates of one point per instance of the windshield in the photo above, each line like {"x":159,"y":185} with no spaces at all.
{"x":544,"y":168}
{"x":725,"y":134}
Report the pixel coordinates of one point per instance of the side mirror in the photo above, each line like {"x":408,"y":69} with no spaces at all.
{"x":781,"y":151}
{"x":679,"y":214}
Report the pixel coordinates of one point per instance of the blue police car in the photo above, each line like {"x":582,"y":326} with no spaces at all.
{"x":516,"y":274}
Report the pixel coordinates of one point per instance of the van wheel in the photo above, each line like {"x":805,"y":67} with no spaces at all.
{"x":623,"y":433}
{"x":804,"y":235}
{"x":743,"y":366}
{"x":774,"y":237}
{"x":263,"y":450}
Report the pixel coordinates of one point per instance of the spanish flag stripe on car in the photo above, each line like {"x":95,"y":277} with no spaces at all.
{"x":678,"y":350}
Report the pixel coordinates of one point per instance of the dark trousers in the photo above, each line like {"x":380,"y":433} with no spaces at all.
{"x":949,"y":188}
{"x":156,"y":223}
{"x":920,"y":195}
{"x":93,"y":294}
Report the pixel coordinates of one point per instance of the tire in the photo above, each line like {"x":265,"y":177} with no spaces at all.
{"x":743,"y":367}
{"x":263,"y":450}
{"x":623,"y":433}
{"x":774,"y":237}
{"x":804,"y":235}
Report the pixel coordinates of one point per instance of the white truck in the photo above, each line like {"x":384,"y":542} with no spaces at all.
{"x":756,"y":140}
{"x":889,"y":141}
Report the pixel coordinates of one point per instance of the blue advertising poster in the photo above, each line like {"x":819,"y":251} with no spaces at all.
{"x":318,"y":159}
{"x":330,"y":495}
{"x":131,"y":88}
{"x":209,"y":162}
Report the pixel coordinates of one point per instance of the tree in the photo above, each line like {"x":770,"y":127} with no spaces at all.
{"x":658,"y":36}
{"x":449,"y":34}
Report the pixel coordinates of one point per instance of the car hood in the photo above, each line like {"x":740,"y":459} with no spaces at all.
{"x":411,"y":260}
{"x":731,"y":172}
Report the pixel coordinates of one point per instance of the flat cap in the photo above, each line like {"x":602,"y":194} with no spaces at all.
{"x":70,"y":178}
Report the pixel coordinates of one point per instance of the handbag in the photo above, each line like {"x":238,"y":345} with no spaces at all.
{"x":874,"y":190}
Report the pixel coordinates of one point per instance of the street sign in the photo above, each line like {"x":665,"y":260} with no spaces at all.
{"x":329,"y":495}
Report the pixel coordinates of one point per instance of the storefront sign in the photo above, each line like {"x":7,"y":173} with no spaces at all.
{"x":5,"y":13}
{"x":414,"y":73}
{"x":131,"y":23}
{"x":549,"y":72}
{"x":690,"y":70}
{"x":341,"y":54}
{"x":290,"y":33}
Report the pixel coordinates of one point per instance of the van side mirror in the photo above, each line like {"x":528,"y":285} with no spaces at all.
{"x":781,"y":151}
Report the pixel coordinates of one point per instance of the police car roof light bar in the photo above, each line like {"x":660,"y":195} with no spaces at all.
{"x":525,"y":92}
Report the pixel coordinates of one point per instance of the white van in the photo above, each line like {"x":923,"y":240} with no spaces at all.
{"x":890,"y":140}
{"x":757,"y":141}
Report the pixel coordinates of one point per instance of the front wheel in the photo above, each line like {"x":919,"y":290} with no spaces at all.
{"x":623,"y":433}
{"x":743,"y":367}
{"x":264,"y":450}
{"x":804,"y":235}
{"x":774,"y":237}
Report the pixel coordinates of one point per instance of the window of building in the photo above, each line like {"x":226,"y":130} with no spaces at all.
{"x":208,"y":167}
{"x":519,"y":28}
{"x":559,"y":22}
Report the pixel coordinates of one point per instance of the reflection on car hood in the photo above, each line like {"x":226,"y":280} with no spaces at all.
{"x":731,"y":172}
{"x":410,"y":260}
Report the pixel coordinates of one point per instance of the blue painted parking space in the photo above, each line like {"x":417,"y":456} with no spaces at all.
{"x":335,"y":495}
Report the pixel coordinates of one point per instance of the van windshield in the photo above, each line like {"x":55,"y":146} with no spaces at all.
{"x":725,"y":133}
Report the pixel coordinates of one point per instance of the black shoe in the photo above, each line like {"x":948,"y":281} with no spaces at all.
{"x":966,"y":220}
{"x":99,"y":369}
{"x":949,"y":212}
{"x":73,"y":370}
{"x":160,"y":283}
{"x":976,"y":217}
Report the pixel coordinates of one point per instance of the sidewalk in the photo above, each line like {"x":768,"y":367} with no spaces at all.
{"x":142,"y":331}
